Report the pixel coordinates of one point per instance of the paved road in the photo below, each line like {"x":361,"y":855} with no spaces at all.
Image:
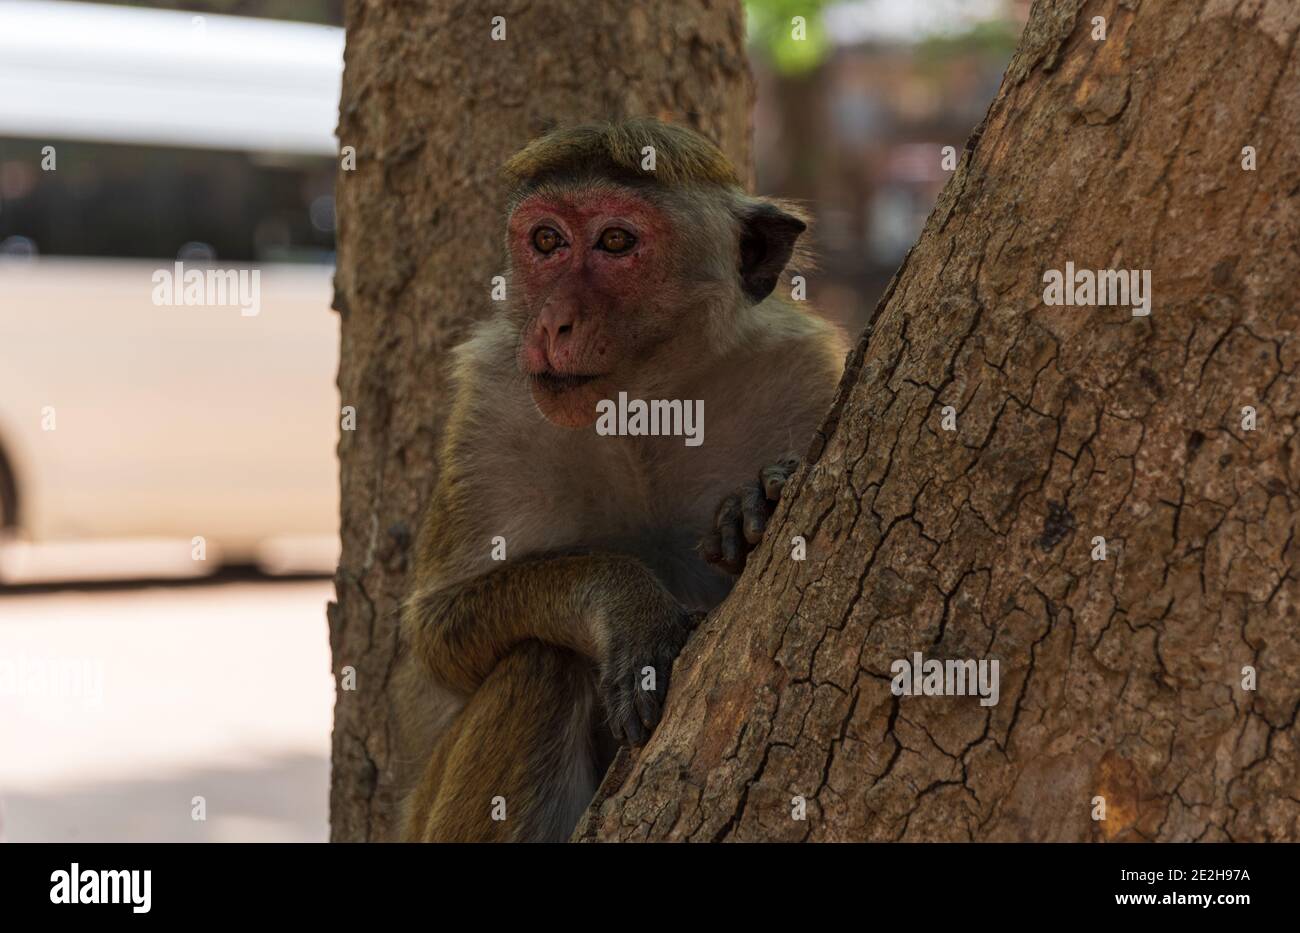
{"x":118,"y":706}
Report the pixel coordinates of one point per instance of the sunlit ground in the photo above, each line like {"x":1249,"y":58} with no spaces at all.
{"x":119,"y":705}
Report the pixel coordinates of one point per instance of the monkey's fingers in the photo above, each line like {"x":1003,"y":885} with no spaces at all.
{"x":650,"y":697}
{"x":728,"y":526}
{"x":634,"y":732}
{"x":710,"y":547}
{"x":620,"y":709}
{"x":753,"y":506}
{"x":635,"y":686}
{"x":648,"y":706}
{"x":775,"y":477}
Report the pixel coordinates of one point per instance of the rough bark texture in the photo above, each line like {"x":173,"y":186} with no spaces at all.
{"x":1120,"y":678}
{"x":433,"y":106}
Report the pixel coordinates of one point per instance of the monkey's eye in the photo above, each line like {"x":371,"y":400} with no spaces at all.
{"x":547,"y":240}
{"x":616,"y":240}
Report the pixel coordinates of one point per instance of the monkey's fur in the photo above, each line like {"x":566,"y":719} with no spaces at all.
{"x":521,"y":675}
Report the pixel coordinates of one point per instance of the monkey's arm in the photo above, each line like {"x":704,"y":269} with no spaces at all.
{"x":609,"y":608}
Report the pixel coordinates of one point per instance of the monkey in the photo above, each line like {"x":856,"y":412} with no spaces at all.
{"x":559,"y":569}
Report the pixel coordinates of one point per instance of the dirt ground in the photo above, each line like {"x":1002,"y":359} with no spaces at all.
{"x":121,"y":704}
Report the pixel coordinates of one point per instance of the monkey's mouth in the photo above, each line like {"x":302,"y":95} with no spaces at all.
{"x":558,"y":383}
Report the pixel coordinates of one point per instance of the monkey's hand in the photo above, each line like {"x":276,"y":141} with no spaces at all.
{"x":643,"y":633}
{"x":742,"y":517}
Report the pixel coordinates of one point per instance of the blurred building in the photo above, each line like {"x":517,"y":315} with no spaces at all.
{"x":142,"y":432}
{"x":860,"y":135}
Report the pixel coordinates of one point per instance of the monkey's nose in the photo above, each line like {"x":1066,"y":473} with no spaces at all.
{"x":557,"y":339}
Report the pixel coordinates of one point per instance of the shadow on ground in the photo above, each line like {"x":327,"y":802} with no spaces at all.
{"x":284,"y":800}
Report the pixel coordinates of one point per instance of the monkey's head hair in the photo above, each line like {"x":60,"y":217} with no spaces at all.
{"x":616,"y":150}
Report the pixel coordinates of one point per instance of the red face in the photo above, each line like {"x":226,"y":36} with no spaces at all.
{"x":593,"y":269}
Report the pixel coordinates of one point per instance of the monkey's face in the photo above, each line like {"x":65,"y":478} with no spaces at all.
{"x":595,"y":298}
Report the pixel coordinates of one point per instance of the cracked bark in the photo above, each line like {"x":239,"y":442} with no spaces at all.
{"x":433,"y":107}
{"x":1119,"y":678}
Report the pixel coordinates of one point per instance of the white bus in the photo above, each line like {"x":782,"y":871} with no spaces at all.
{"x":138,"y":436}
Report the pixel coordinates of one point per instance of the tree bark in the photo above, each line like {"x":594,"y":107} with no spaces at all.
{"x":433,"y":106}
{"x":1121,"y":678}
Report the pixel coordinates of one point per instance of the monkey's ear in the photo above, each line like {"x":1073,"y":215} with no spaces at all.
{"x":767,"y":237}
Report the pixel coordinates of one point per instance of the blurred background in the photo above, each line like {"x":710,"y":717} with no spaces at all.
{"x":168,"y":485}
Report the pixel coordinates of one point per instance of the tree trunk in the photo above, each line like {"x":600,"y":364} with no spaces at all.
{"x":1122,"y":679}
{"x":433,"y":106}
